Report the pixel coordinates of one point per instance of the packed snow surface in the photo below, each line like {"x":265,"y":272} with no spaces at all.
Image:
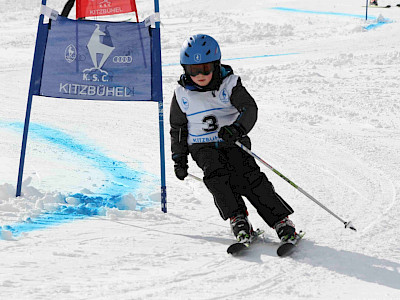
{"x":89,"y":223}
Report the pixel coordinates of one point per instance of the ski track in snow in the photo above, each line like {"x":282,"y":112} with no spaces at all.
{"x":327,"y":92}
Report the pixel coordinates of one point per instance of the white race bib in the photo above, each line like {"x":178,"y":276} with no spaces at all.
{"x":207,"y":113}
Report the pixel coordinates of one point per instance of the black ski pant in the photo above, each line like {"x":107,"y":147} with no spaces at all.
{"x":230,"y":173}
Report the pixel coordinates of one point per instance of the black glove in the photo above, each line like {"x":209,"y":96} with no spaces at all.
{"x":231,"y":133}
{"x":181,"y":166}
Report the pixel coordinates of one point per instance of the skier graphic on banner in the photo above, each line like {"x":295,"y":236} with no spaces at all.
{"x":103,"y":48}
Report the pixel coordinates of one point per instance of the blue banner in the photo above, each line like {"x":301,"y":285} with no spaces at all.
{"x":97,"y":60}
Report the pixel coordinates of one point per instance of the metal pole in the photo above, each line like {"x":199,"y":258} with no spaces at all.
{"x":347,"y":224}
{"x":162,"y":158}
{"x":23,"y":147}
{"x":195,"y":177}
{"x":158,"y":83}
{"x":36,"y":67}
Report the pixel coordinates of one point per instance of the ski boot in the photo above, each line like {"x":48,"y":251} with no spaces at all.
{"x":241,"y":228}
{"x":285,"y":229}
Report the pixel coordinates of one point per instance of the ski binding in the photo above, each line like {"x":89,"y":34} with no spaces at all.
{"x":287,"y":247}
{"x":238,"y":247}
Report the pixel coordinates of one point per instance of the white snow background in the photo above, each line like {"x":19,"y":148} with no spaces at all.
{"x":327,"y":86}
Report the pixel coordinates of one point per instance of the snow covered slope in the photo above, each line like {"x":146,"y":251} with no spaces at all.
{"x":327,"y":90}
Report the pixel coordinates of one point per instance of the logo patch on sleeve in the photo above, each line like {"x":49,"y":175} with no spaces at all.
{"x":223,"y":96}
{"x":185,"y":102}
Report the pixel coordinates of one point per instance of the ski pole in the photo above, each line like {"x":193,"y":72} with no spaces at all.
{"x":346,"y":224}
{"x":195,"y":177}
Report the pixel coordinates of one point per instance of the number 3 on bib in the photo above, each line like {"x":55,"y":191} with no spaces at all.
{"x":212,"y":123}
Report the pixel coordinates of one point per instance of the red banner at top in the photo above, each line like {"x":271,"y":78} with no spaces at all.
{"x":94,"y":8}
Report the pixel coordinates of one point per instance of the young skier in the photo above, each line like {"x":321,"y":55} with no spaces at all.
{"x":210,"y":111}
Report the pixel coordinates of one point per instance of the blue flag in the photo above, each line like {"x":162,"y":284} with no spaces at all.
{"x":97,"y":60}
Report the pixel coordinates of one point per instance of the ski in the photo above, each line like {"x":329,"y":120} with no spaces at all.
{"x":238,"y":247}
{"x":377,"y":6}
{"x":286,"y":248}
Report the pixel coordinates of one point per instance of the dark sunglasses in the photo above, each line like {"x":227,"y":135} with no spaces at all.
{"x":194,"y":70}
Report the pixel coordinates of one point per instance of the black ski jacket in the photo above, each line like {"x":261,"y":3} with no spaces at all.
{"x":240,"y":99}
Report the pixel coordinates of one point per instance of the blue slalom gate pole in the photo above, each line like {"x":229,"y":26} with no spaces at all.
{"x":33,"y":89}
{"x":158,"y":82}
{"x":366,"y":10}
{"x":23,"y":147}
{"x":162,"y":157}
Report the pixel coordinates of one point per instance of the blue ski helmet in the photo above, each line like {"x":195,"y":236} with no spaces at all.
{"x":199,"y":49}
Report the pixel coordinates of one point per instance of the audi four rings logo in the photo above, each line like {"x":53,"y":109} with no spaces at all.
{"x":122,"y":59}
